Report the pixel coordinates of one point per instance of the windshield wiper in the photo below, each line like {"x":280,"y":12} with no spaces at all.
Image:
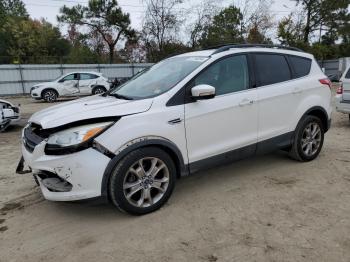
{"x":121,"y":96}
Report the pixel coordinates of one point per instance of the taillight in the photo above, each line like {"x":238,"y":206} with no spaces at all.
{"x":340,"y":89}
{"x":326,"y":81}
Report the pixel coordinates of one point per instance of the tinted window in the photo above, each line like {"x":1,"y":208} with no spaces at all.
{"x":348,"y":75}
{"x":271,"y":69}
{"x":301,"y":66}
{"x":87,"y":76}
{"x":227,"y":76}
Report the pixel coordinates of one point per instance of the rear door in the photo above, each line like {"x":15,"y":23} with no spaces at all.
{"x":346,"y":86}
{"x":278,"y":95}
{"x":86,"y":80}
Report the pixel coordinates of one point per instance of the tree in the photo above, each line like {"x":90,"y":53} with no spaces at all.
{"x":224,"y":28}
{"x":102,"y":16}
{"x":321,"y":13}
{"x":290,"y":30}
{"x":204,"y":13}
{"x":33,"y":41}
{"x":14,"y":8}
{"x":160,"y":28}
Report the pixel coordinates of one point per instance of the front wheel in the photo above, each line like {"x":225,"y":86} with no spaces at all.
{"x":308,"y":140}
{"x":142,"y":181}
{"x":50,"y":96}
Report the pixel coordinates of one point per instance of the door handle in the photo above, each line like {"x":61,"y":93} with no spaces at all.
{"x":297,"y":90}
{"x":246,"y":102}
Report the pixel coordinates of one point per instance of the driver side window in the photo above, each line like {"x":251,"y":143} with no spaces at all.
{"x":227,"y":75}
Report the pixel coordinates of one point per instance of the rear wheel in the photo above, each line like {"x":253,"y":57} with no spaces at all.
{"x":142,"y":181}
{"x":99,"y":90}
{"x":50,"y":95}
{"x":308,"y":140}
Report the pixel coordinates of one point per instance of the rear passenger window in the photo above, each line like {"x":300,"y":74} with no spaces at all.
{"x":271,"y":69}
{"x":301,"y":66}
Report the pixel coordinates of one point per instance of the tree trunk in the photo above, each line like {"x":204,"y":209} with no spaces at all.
{"x":307,"y":26}
{"x":111,"y":53}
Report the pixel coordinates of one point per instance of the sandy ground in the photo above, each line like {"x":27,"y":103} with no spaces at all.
{"x":268,"y":208}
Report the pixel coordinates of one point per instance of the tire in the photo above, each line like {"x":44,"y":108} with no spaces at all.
{"x":98,"y":90}
{"x":308,"y":139}
{"x":140,"y":192}
{"x":50,"y":95}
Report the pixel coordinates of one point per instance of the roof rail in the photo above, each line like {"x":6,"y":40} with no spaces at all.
{"x":224,"y":48}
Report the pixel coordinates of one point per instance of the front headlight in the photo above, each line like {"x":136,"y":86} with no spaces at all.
{"x":74,"y":137}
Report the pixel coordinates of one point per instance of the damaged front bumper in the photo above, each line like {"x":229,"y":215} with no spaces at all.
{"x":68,"y":177}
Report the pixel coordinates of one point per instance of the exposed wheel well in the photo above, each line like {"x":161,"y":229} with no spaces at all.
{"x":321,"y":114}
{"x":47,"y":89}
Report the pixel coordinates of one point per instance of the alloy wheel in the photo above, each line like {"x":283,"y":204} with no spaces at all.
{"x":146,"y":182}
{"x":50,"y":96}
{"x":311,"y":139}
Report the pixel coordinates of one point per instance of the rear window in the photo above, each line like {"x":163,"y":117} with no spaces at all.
{"x":301,"y":66}
{"x":271,"y":69}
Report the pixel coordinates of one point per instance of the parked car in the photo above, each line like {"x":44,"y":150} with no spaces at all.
{"x":342,"y":97}
{"x":9,"y":114}
{"x":186,"y":113}
{"x":71,"y":84}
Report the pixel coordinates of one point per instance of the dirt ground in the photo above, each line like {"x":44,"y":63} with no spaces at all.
{"x":267,"y":208}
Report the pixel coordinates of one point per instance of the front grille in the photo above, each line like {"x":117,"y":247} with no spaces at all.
{"x":32,"y":137}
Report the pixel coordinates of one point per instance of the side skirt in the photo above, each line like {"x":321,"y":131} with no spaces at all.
{"x":261,"y":148}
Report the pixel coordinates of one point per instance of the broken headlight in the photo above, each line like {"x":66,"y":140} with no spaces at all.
{"x":75,"y":138}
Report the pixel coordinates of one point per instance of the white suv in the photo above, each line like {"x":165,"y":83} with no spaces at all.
{"x":185,"y":114}
{"x":343,"y":94}
{"x":71,"y":84}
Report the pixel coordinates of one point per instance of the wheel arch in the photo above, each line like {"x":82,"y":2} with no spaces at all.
{"x":48,"y":88}
{"x":97,"y":86}
{"x":166,"y":145}
{"x":321,"y":113}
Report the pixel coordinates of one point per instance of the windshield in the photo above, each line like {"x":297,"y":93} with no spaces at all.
{"x":159,"y":78}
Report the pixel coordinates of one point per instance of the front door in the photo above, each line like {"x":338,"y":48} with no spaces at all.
{"x":69,"y":85}
{"x":223,"y":128}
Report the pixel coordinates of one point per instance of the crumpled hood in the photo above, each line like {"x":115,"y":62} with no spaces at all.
{"x":88,"y":108}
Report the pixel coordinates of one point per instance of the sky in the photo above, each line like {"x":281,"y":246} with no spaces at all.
{"x":49,"y":9}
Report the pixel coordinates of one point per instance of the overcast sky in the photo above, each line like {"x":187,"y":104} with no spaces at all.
{"x":49,"y":9}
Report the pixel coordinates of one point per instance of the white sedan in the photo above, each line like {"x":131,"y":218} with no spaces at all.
{"x":71,"y":84}
{"x":9,"y":114}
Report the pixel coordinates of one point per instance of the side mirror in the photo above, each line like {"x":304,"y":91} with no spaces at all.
{"x":201,"y":92}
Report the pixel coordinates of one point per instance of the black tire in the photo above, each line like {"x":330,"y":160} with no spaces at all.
{"x":117,"y":194}
{"x":50,"y":95}
{"x":98,"y":90}
{"x":297,"y":152}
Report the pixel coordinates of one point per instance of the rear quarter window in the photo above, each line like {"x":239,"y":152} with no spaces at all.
{"x":271,"y":69}
{"x":301,"y":66}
